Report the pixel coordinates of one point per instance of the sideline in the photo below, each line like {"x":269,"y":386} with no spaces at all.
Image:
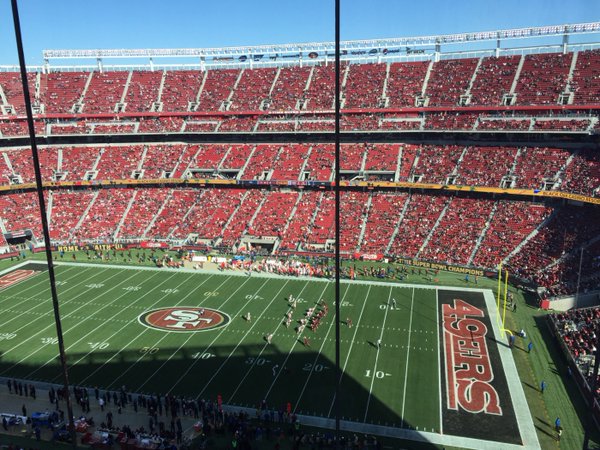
{"x":515,"y":387}
{"x":240,"y":273}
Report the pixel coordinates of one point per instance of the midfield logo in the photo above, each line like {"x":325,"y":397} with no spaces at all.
{"x":182,"y":319}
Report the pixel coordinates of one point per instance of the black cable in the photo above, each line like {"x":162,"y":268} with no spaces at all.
{"x":338,"y":373}
{"x":40,"y":192}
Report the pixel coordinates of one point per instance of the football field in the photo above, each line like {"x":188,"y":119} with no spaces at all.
{"x":418,"y":359}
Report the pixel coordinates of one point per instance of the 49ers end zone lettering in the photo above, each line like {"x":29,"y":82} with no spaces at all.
{"x":15,"y":276}
{"x":182,"y":319}
{"x":468,"y":366}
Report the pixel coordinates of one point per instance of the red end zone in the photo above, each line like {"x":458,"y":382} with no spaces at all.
{"x":15,"y":276}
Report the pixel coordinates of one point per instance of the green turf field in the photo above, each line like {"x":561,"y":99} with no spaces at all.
{"x":109,"y":344}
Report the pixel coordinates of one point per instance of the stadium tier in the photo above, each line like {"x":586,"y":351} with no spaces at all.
{"x":534,"y":240}
{"x":530,"y":92}
{"x":538,"y":168}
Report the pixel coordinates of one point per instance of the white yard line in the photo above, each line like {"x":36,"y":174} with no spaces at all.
{"x":38,"y":367}
{"x":515,"y":388}
{"x":317,"y":355}
{"x":16,"y":266}
{"x":121,"y":329}
{"x":438,"y":328}
{"x":152,"y":289}
{"x":216,"y":337}
{"x":33,"y":297}
{"x":48,"y":314}
{"x":264,"y":348}
{"x":412,"y":301}
{"x":28,"y":279}
{"x":51,"y":326}
{"x":138,"y":389}
{"x":241,"y":339}
{"x":350,"y":349}
{"x":377,"y":355}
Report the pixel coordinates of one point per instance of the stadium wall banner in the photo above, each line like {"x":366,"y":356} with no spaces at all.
{"x":307,"y":253}
{"x":9,"y":255}
{"x":569,"y":196}
{"x":441,"y":266}
{"x":493,"y":190}
{"x":367,"y":184}
{"x":95,"y":247}
{"x":199,"y":248}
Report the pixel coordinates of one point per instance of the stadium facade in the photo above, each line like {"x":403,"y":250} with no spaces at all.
{"x":459,"y":150}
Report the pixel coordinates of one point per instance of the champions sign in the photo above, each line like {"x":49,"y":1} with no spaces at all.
{"x":184,"y":319}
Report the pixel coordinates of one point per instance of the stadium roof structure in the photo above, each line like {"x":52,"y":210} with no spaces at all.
{"x":540,"y":39}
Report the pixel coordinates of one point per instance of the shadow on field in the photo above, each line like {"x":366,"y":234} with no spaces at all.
{"x":535,"y":388}
{"x":542,"y":430}
{"x":243,"y":375}
{"x":496,"y":341}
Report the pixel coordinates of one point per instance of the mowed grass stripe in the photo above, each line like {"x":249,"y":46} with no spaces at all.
{"x":122,"y":329}
{"x":148,"y":289}
{"x":34,"y":283}
{"x":29,"y":300}
{"x":257,"y":360}
{"x":349,"y":352}
{"x":287,"y":366}
{"x":376,"y":370}
{"x":129,"y":339}
{"x":220,"y":344}
{"x":361,"y":370}
{"x":326,"y":375}
{"x":392,"y":381}
{"x":265,"y":369}
{"x":158,"y":343}
{"x":322,"y":384}
{"x":353,"y":389}
{"x":211,"y":342}
{"x":36,"y":278}
{"x":421,"y":404}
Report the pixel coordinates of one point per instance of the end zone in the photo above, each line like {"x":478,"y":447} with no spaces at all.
{"x":482,"y":398}
{"x":19,"y":273}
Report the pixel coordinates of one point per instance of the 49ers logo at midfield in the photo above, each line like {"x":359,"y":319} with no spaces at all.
{"x":184,"y":319}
